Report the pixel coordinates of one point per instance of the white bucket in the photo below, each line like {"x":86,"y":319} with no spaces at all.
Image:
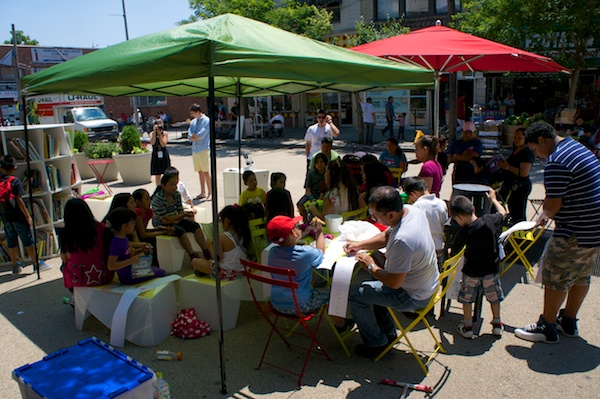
{"x":333,"y":223}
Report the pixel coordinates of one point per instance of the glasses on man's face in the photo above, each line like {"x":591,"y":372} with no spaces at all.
{"x":376,"y":215}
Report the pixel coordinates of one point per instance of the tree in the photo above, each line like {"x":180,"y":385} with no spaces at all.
{"x":370,"y":32}
{"x":297,"y":17}
{"x":566,"y":30}
{"x":22,"y":39}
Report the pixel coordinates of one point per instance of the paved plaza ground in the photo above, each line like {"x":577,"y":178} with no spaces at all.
{"x":34,"y":322}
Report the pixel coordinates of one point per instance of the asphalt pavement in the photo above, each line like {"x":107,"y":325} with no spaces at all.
{"x":34,"y":322}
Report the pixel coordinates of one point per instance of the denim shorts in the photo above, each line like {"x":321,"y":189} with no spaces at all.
{"x":12,"y":229}
{"x":318,"y":299}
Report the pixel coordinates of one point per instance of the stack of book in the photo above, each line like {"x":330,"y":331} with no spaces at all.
{"x":19,"y":150}
{"x":53,"y":177}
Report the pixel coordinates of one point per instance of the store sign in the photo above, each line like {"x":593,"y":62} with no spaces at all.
{"x":9,"y":94}
{"x":47,"y":103}
{"x":54,"y":56}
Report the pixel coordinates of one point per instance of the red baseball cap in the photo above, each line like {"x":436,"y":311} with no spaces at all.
{"x":280,"y":227}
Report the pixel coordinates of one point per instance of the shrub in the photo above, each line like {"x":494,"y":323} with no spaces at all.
{"x":130,"y":141}
{"x":100,"y":150}
{"x":80,"y":140}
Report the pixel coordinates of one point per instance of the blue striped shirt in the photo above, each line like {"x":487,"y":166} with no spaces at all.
{"x":573,"y":174}
{"x":162,"y":207}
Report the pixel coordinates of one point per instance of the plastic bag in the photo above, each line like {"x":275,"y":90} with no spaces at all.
{"x":143,"y":268}
{"x":358,"y":230}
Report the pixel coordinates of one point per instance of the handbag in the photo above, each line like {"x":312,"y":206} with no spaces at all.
{"x":187,"y":325}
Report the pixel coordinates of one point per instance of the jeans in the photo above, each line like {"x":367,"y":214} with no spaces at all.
{"x":389,"y":128}
{"x":369,"y":127}
{"x":368,"y":302}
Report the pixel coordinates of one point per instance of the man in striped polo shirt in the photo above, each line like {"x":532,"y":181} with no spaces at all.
{"x":572,"y":183}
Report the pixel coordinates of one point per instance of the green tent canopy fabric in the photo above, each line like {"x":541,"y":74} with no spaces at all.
{"x":265,"y":60}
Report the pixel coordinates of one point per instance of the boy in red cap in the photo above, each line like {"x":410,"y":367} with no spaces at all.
{"x":285,"y":231}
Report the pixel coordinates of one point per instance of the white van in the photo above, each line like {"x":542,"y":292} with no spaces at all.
{"x":94,"y":122}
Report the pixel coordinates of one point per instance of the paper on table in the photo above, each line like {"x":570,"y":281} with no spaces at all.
{"x":340,"y":286}
{"x":517,"y":227}
{"x":333,"y":252}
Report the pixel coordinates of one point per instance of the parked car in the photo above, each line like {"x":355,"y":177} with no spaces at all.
{"x":94,"y":122}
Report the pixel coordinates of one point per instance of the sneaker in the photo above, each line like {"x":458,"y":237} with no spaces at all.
{"x":465,"y":331}
{"x":44,"y":266}
{"x":348,"y":326}
{"x":567,"y":325}
{"x":17,"y":269}
{"x":542,"y":331}
{"x":370,"y":352}
{"x":497,"y":329}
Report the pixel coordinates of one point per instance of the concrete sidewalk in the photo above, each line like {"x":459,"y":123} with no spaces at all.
{"x":34,"y":322}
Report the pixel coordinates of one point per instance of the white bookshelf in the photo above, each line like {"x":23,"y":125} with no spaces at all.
{"x":58,"y":179}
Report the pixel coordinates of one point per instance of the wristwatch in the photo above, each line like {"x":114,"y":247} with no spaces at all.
{"x":370,"y":267}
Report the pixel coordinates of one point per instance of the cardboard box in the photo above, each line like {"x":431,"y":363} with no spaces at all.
{"x":90,"y":369}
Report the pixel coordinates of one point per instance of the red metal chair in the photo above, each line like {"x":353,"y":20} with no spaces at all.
{"x":272,"y":316}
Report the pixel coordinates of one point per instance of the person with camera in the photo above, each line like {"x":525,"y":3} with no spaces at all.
{"x":516,"y":185}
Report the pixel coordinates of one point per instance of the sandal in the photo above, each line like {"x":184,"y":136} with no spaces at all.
{"x":200,"y":197}
{"x":195,"y":255}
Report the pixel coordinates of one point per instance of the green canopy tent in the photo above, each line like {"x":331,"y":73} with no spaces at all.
{"x":225,"y":56}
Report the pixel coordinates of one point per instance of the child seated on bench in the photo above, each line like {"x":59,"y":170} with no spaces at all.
{"x":121,"y":257}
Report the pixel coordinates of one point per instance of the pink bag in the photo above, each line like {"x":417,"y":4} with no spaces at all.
{"x":186,"y":325}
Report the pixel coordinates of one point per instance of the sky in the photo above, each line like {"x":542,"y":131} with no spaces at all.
{"x":88,"y":23}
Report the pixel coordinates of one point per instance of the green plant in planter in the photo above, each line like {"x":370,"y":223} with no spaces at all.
{"x":100,"y":150}
{"x":80,"y":141}
{"x":130,"y":141}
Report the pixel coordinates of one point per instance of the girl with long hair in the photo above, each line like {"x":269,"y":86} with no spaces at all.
{"x":426,"y":151}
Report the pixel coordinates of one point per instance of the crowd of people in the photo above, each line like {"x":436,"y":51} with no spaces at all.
{"x":407,"y":276}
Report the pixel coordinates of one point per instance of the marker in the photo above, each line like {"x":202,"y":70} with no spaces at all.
{"x":416,"y":387}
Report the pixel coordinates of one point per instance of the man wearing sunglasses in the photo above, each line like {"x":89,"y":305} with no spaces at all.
{"x":407,"y":279}
{"x":315,"y":134}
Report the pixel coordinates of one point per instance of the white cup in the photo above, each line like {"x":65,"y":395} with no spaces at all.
{"x":333,"y":222}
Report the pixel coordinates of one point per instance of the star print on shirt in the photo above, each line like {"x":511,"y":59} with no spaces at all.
{"x":93,"y":275}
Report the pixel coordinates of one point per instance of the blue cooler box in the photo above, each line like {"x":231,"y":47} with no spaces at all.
{"x":91,"y":369}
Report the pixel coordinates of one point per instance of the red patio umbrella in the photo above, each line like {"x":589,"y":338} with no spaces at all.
{"x":443,"y":49}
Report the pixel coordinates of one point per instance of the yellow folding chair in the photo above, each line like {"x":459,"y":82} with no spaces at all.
{"x":445,"y":280}
{"x":521,"y":241}
{"x":359,"y":214}
{"x":397,"y":174}
{"x":258,"y":232}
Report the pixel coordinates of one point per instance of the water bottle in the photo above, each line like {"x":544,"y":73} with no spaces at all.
{"x":161,"y":388}
{"x":168,"y":355}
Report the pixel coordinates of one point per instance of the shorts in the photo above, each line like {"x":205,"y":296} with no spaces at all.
{"x":201,"y":161}
{"x":185,"y":226}
{"x":226,"y":274}
{"x":492,"y":289}
{"x":14,"y":229}
{"x":566,"y":264}
{"x":318,"y":299}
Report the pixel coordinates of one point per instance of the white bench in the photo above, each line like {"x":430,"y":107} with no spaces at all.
{"x":141,"y":313}
{"x":200,"y":293}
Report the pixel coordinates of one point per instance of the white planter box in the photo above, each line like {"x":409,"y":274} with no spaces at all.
{"x":134,"y":168}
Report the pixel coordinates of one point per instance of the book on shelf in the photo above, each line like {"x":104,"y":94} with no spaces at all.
{"x":57,"y":207}
{"x":50,"y":148}
{"x":73,"y":173}
{"x":53,"y":177}
{"x":40,"y":213}
{"x":46,"y":245}
{"x":32,"y":182}
{"x":19,"y":150}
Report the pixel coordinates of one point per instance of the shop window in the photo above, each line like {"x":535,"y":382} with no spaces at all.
{"x":441,"y":6}
{"x":415,"y":8}
{"x":151,"y":101}
{"x":282,"y":103}
{"x":387,"y":9}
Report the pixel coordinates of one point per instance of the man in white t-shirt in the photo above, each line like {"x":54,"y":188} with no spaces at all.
{"x":434,"y":208}
{"x":315,"y":133}
{"x":277,"y":123}
{"x":406,"y":281}
{"x":369,"y":120}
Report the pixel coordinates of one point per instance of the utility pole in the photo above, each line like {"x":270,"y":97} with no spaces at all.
{"x":136,"y":118}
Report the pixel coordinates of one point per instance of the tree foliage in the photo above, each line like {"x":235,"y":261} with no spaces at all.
{"x":370,"y":32}
{"x":566,"y":30}
{"x":293,"y":16}
{"x":22,"y":39}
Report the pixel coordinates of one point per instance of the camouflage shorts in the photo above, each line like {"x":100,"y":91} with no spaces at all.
{"x":565,"y":264}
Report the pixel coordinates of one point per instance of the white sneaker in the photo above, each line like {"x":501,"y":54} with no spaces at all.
{"x":44,"y":266}
{"x":497,"y":329}
{"x":17,"y":269}
{"x":465,"y":331}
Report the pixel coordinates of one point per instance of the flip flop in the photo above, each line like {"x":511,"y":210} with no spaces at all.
{"x":200,"y":197}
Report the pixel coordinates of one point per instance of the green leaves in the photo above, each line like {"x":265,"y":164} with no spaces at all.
{"x":370,"y":32}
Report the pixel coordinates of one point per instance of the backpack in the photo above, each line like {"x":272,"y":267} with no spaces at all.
{"x":7,"y":197}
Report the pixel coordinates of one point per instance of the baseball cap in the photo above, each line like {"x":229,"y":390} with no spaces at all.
{"x":280,"y":227}
{"x":469,"y":126}
{"x":327,"y":140}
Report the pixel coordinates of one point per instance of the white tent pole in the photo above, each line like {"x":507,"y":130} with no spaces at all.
{"x":436,"y":104}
